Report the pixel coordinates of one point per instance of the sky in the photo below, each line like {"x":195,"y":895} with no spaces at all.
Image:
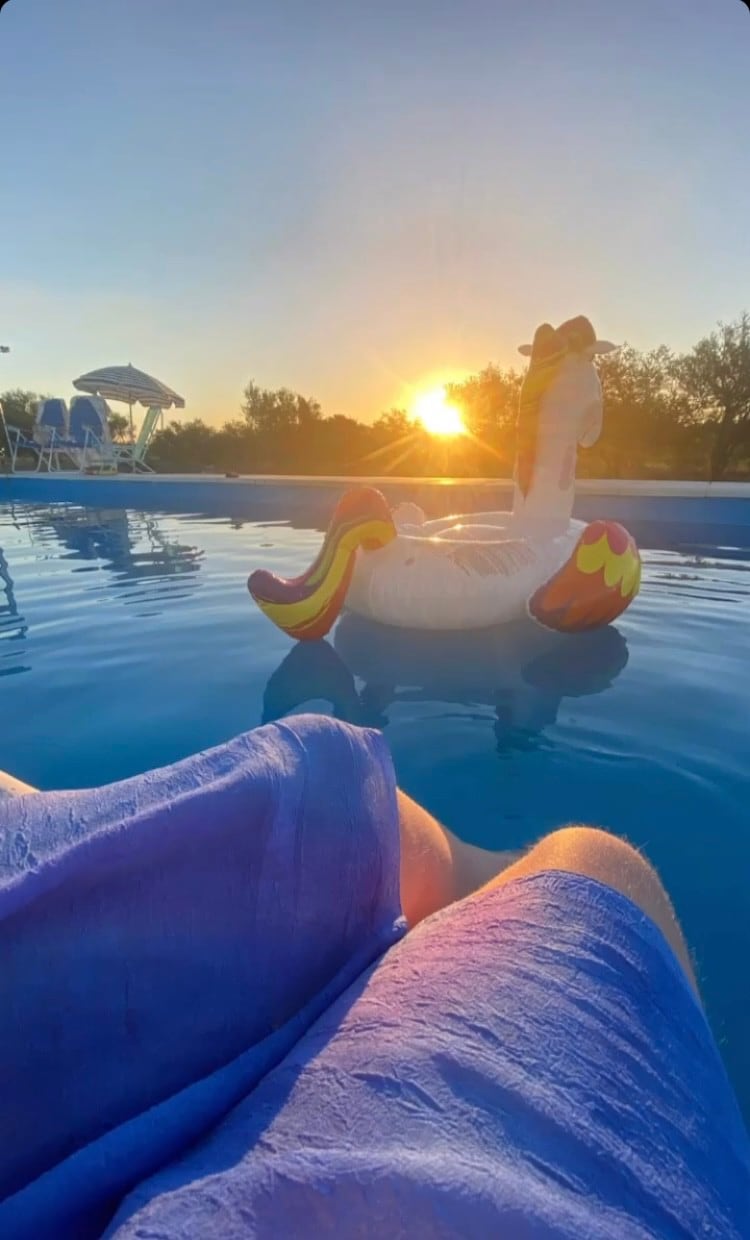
{"x":356,"y":198}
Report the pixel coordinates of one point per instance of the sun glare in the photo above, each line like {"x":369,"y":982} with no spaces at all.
{"x":437,"y":414}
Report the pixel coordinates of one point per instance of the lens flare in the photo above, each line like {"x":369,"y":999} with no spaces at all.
{"x":436,"y":414}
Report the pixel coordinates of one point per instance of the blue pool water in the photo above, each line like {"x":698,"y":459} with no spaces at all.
{"x":128,"y":640}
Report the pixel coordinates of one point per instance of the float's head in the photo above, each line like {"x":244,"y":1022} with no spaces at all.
{"x":562,"y":376}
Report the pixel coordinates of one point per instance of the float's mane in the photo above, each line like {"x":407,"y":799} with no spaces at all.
{"x":550,"y":348}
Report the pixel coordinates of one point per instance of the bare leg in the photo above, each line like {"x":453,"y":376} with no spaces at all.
{"x":437,"y":869}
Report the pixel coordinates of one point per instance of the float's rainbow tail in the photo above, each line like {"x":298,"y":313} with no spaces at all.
{"x":601,"y":579}
{"x":307,"y":607}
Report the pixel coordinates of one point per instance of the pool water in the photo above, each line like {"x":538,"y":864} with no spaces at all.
{"x":128,"y":640}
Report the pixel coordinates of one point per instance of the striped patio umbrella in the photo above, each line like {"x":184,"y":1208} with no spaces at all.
{"x":130,"y":385}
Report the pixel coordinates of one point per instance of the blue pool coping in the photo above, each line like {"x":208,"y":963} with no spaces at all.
{"x":704,"y":512}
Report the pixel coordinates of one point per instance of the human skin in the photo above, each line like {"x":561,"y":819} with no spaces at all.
{"x":437,"y":869}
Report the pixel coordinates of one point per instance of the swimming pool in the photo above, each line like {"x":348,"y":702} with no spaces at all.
{"x":128,"y":640}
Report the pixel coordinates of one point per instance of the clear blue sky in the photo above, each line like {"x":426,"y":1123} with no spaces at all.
{"x":349,"y":196}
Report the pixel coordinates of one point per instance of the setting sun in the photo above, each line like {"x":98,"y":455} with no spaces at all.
{"x":437,"y":414}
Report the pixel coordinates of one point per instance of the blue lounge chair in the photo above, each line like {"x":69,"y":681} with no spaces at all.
{"x":49,"y":438}
{"x":89,"y":435}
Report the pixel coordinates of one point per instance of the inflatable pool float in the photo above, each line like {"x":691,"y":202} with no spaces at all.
{"x":481,"y":569}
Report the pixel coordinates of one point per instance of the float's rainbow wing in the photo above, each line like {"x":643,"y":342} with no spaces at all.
{"x":307,"y":607}
{"x":601,"y":579}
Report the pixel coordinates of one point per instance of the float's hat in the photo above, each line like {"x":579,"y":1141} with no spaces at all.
{"x":572,"y":336}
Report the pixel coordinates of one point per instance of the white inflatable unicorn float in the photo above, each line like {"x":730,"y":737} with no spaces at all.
{"x":481,"y":569}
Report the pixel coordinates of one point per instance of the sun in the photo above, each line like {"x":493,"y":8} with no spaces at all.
{"x":437,"y":414}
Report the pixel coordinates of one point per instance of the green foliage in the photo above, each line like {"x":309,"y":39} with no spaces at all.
{"x":187,"y":446}
{"x":648,"y":419}
{"x":283,"y":429}
{"x":715,"y":377}
{"x":19,"y":407}
{"x":489,"y":403}
{"x":274,"y":413}
{"x":119,"y":426}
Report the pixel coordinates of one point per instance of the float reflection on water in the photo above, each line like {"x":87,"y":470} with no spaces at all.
{"x":520,"y":670}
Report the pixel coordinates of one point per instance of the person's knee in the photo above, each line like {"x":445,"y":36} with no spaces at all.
{"x":610,"y":860}
{"x":601,"y":855}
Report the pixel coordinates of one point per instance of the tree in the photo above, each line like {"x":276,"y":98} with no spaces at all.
{"x":394,"y":424}
{"x":185,"y":446}
{"x":398,"y":445}
{"x":271,"y":412}
{"x":19,"y":407}
{"x":488,"y":400}
{"x":283,"y":429}
{"x":715,"y":377}
{"x":647,"y":419}
{"x":340,"y":443}
{"x":489,"y":403}
{"x":119,"y":426}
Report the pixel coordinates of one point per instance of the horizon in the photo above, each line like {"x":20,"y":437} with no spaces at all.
{"x":362,"y":205}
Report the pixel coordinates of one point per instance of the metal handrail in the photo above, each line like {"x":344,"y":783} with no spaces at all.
{"x":5,"y":431}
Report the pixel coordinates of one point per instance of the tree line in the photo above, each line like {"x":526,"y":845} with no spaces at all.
{"x":666,"y":415}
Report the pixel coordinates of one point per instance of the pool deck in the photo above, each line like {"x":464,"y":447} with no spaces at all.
{"x":276,"y":497}
{"x":587,"y":486}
